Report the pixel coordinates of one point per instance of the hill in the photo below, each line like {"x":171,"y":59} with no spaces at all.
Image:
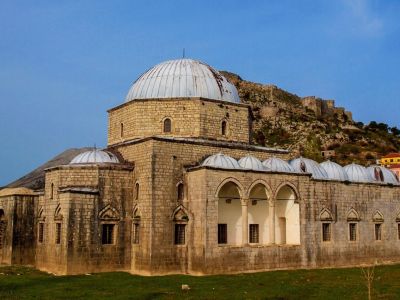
{"x":310,"y":125}
{"x":35,"y":179}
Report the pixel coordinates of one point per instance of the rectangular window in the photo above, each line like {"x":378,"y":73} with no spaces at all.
{"x":326,"y":232}
{"x":180,"y":234}
{"x":398,"y":230}
{"x":41,"y":233}
{"x":135,"y":238}
{"x":222,"y":233}
{"x":58,"y":233}
{"x":378,"y":232}
{"x":253,"y":234}
{"x":353,"y":231}
{"x":107,"y":236}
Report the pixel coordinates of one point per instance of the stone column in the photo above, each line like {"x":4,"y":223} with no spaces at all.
{"x":272,"y":221}
{"x":245,"y":221}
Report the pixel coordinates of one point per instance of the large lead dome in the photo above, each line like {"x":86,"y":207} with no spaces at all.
{"x":183,"y":78}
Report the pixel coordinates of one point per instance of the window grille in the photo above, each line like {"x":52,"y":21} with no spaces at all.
{"x":353,"y":231}
{"x":107,"y":236}
{"x":378,"y":232}
{"x":222,"y":233}
{"x":326,"y":232}
{"x":254,"y":233}
{"x":180,"y":234}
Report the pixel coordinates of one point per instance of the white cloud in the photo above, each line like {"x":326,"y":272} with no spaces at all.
{"x":363,"y":20}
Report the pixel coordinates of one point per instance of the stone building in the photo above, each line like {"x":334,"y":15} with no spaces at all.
{"x":181,"y":189}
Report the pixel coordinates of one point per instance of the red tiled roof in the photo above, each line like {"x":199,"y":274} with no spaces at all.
{"x":391,"y":155}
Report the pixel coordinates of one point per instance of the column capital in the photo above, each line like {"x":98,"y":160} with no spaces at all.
{"x":245,"y":201}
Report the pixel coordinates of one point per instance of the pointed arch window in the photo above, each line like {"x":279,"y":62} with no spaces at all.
{"x":167,"y":125}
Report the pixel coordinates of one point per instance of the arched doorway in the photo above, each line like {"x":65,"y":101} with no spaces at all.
{"x":287,"y":216}
{"x":229,"y":215}
{"x":258,"y":212}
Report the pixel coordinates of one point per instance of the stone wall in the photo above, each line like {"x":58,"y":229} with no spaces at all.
{"x":194,"y":117}
{"x":159,"y":167}
{"x":18,"y":237}
{"x":206,"y":256}
{"x":84,"y":198}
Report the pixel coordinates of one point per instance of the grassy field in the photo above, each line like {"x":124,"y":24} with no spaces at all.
{"x":27,"y":283}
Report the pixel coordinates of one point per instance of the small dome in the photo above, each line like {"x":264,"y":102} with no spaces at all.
{"x":251,"y":163}
{"x":221,"y":161}
{"x":277,"y":165}
{"x":382,"y":174}
{"x":182,"y":78}
{"x":94,"y":156}
{"x":334,"y":170}
{"x":306,"y":165}
{"x":357,"y":173}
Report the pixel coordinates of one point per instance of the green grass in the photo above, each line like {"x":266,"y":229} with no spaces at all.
{"x":28,"y":283}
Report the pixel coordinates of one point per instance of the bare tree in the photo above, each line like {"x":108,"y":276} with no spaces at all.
{"x":369,"y":273}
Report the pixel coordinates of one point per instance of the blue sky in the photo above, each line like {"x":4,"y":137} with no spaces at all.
{"x":64,"y":63}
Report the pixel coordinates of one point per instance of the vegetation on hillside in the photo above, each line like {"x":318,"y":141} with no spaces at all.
{"x":280,"y":120}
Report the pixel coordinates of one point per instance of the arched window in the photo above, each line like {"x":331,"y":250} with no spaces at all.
{"x":121,"y":130}
{"x":137,"y":188}
{"x":167,"y":125}
{"x":223,"y":127}
{"x":180,"y":192}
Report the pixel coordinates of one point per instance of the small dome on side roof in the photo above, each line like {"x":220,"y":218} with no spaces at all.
{"x":276,"y":164}
{"x":94,"y":156}
{"x":382,"y":174}
{"x":251,"y":163}
{"x":357,"y":173}
{"x":334,"y":170}
{"x":306,"y":165}
{"x":221,"y":161}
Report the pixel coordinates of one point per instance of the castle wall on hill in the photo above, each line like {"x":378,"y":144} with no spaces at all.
{"x":323,"y":107}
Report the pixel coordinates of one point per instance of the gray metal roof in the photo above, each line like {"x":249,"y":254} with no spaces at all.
{"x":221,"y":161}
{"x":94,"y":156}
{"x":251,"y":163}
{"x":306,"y":165}
{"x":183,"y":78}
{"x":358,"y":173}
{"x":334,"y":170}
{"x":277,"y":165}
{"x":382,"y":174}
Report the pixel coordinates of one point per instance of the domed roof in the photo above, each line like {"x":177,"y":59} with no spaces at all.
{"x":277,"y":165}
{"x":382,"y":174}
{"x":357,"y":173}
{"x":306,"y":165}
{"x":182,"y":78}
{"x":334,"y":170}
{"x":94,"y":156}
{"x":251,"y":163}
{"x":221,"y":161}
